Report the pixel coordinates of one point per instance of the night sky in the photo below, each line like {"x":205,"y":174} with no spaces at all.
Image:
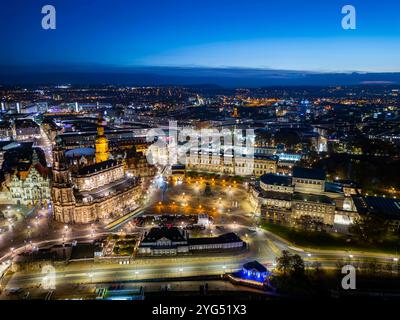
{"x":286,"y":34}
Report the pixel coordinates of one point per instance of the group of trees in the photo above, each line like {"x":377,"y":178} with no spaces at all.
{"x":372,"y":147}
{"x":316,"y":281}
{"x":293,"y":279}
{"x":371,"y":228}
{"x":372,"y":268}
{"x":289,"y":138}
{"x":290,"y":265}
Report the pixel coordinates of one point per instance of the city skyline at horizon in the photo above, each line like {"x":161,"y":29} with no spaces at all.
{"x":280,"y":36}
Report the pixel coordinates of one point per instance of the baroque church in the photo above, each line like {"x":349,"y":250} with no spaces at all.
{"x":94,"y":192}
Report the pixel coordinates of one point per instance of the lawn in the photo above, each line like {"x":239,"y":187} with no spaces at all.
{"x":329,"y":241}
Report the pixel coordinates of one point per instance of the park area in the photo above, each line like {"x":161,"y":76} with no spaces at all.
{"x":330,"y":241}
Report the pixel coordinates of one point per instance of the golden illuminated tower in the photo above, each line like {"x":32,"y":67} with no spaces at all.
{"x":235,"y":113}
{"x":102,"y":152}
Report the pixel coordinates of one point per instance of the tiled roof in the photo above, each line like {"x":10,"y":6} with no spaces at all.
{"x":173,"y":234}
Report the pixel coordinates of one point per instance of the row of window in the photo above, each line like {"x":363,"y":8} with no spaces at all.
{"x":307,"y":207}
{"x":309,"y":181}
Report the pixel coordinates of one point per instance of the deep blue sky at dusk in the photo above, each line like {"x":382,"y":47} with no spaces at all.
{"x":286,"y":34}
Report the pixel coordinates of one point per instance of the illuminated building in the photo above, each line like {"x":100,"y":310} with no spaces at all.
{"x":254,"y":270}
{"x":32,"y":185}
{"x":95,"y":192}
{"x":172,"y":241}
{"x":102,"y":152}
{"x":284,"y":198}
{"x":6,"y":131}
{"x":241,"y":166}
{"x":178,"y":172}
{"x":386,"y":208}
{"x":26,"y":129}
{"x":309,"y":180}
{"x":235,"y":113}
{"x":318,"y":207}
{"x":137,"y":164}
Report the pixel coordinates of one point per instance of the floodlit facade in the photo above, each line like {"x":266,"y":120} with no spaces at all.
{"x":95,"y":192}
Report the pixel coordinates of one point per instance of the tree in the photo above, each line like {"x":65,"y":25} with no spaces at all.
{"x":293,"y":279}
{"x":287,"y":137}
{"x":289,"y":264}
{"x":284,"y":262}
{"x":297,"y":266}
{"x":207,"y":190}
{"x":370,"y":227}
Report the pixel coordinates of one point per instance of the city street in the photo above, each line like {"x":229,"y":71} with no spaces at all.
{"x":264,"y":247}
{"x":186,"y":198}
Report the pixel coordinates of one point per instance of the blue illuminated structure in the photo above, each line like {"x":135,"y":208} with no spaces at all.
{"x":254,"y":271}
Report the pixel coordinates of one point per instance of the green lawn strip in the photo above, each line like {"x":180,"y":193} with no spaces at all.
{"x":329,"y":241}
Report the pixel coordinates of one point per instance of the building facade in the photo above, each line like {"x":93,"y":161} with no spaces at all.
{"x":32,"y":186}
{"x":95,"y":192}
{"x":287,"y":199}
{"x":317,"y":207}
{"x":173,"y":241}
{"x":228,"y":165}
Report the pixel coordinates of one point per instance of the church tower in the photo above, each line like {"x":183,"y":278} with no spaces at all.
{"x":102,"y":152}
{"x":62,"y":194}
{"x":235,"y":113}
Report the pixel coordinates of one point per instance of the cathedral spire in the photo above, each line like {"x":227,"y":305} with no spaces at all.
{"x":102,"y":152}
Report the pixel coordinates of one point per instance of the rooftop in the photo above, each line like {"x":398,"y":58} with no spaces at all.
{"x":178,"y":167}
{"x":117,"y":186}
{"x":333,"y":187}
{"x":26,"y":123}
{"x":255,"y":265}
{"x":224,"y":238}
{"x":312,"y":198}
{"x":77,"y":153}
{"x":284,"y":196}
{"x":265,"y":157}
{"x":306,"y":173}
{"x":386,"y":207}
{"x":276,"y":179}
{"x":98,"y":167}
{"x":155,"y":234}
{"x":82,"y":251}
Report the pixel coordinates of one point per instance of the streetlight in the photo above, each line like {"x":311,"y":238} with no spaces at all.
{"x":230,"y":195}
{"x":180,"y":275}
